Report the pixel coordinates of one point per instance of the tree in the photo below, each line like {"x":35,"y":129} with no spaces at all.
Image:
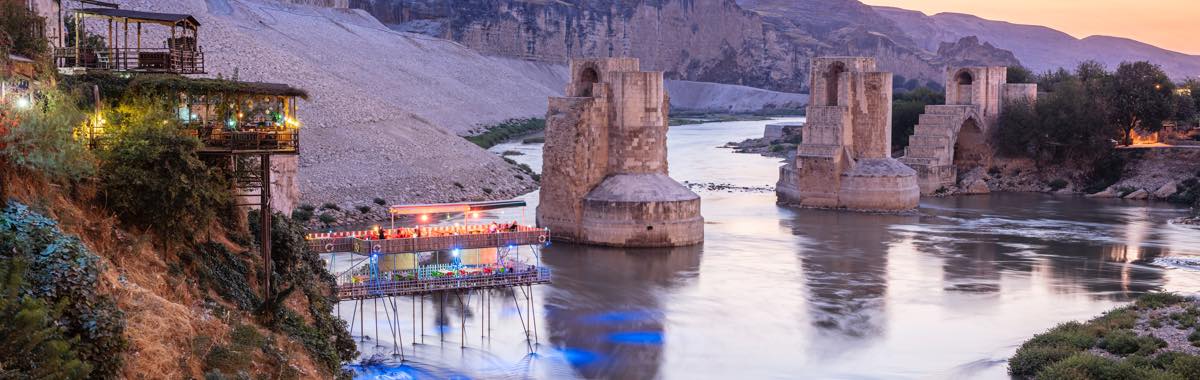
{"x":1020,"y":74}
{"x":1141,"y":95}
{"x":152,"y":177}
{"x":34,"y":344}
{"x":21,"y":31}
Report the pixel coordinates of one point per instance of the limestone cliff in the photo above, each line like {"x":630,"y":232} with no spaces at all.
{"x":758,"y":43}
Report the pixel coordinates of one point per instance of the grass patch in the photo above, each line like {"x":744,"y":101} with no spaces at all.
{"x":1063,"y":351}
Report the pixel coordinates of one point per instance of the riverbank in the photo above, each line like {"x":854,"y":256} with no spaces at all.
{"x":1155,"y":338}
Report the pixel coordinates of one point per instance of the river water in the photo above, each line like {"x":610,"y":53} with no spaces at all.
{"x":948,"y":291}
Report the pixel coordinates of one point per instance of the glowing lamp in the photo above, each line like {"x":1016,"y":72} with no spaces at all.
{"x":23,"y":103}
{"x":475,"y":215}
{"x":424,"y":217}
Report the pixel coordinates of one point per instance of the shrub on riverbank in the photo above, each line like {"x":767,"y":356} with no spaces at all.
{"x":1117,"y":345}
{"x":509,"y":129}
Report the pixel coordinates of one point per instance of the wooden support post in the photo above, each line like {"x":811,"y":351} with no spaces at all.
{"x":139,"y":39}
{"x":111,"y":46}
{"x":265,"y":223}
{"x":78,"y":37}
{"x":125,"y":51}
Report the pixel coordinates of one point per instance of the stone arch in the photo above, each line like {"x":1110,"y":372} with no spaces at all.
{"x":963,"y":81}
{"x":833,"y":82}
{"x":970,"y":149}
{"x":587,"y":78}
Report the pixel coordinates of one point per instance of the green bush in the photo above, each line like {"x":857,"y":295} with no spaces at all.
{"x":534,"y":140}
{"x":1158,"y":300}
{"x":43,"y":140}
{"x":331,"y":206}
{"x":1057,"y":184}
{"x":1088,"y":366}
{"x":1028,"y":361}
{"x":34,"y":345}
{"x":487,"y":190}
{"x":225,"y":273}
{"x":62,"y":271}
{"x":1126,"y":342}
{"x":380,"y":201}
{"x":151,"y":177}
{"x":302,"y":215}
{"x":327,"y":218}
{"x":1194,"y":337}
{"x":501,"y":132}
{"x":906,"y":112}
{"x":512,"y":153}
{"x":307,"y":207}
{"x":296,"y":267}
{"x":363,"y":209}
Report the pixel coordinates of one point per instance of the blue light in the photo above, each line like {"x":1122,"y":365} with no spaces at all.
{"x":579,"y":357}
{"x":643,"y":338}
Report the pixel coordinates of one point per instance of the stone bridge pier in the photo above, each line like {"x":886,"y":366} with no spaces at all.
{"x":844,"y":160}
{"x":952,"y":139}
{"x":604,"y":170}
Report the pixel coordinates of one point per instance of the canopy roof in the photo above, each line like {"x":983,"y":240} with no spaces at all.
{"x":437,"y":208}
{"x":159,"y":18}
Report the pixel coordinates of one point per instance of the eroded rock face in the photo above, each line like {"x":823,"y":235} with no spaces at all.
{"x":758,"y":43}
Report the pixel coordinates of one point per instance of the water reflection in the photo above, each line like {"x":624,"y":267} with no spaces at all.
{"x":948,"y":291}
{"x":604,"y":310}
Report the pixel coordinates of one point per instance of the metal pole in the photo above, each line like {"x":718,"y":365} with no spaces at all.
{"x":462,"y":320}
{"x":414,"y":318}
{"x":522,"y":319}
{"x":375,"y":318}
{"x":361,"y":326}
{"x":265,"y":219}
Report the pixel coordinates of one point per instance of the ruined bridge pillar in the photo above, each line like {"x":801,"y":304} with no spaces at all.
{"x":604,"y":171}
{"x":844,"y":161}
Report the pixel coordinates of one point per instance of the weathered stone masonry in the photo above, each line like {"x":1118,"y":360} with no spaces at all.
{"x":604,"y":174}
{"x":844,"y":161}
{"x":951,"y":139}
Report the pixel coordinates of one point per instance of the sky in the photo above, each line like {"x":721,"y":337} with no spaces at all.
{"x":1169,"y":24}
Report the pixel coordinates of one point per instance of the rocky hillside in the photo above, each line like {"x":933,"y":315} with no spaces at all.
{"x":757,"y":43}
{"x":1038,"y":47}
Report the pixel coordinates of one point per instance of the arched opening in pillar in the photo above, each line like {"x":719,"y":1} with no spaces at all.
{"x":832,"y":83}
{"x":964,"y":81}
{"x":970,"y":148}
{"x":587,"y":78}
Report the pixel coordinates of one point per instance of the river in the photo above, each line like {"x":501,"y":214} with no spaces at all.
{"x":948,"y":291}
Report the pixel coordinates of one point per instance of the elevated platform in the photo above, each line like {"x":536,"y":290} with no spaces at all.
{"x":366,"y":242}
{"x":400,"y":286}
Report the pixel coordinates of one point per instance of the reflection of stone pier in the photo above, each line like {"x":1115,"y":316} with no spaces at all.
{"x":604,"y":175}
{"x":845,"y":158}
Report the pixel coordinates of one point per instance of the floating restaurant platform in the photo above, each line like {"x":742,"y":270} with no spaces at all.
{"x":463,"y":279}
{"x":438,"y":262}
{"x":424,"y":239}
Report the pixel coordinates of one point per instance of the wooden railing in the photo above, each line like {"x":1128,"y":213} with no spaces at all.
{"x":525,"y":236}
{"x":166,"y":60}
{"x":287,"y":140}
{"x":389,"y":288}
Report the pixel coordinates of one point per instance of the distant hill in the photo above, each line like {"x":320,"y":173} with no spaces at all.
{"x":1039,"y":48}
